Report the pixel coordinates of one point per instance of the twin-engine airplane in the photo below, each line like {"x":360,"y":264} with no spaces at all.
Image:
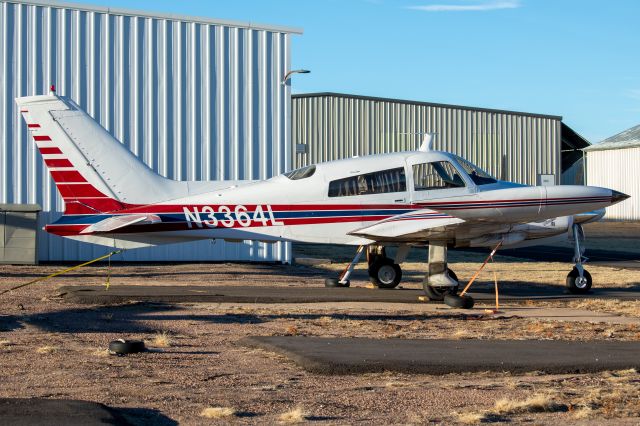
{"x":416,"y":198}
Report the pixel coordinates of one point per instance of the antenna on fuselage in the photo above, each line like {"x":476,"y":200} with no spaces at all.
{"x":427,"y":142}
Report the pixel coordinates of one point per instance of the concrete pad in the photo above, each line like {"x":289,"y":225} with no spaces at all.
{"x":40,"y":411}
{"x":506,"y":311}
{"x":298,"y":294}
{"x":335,"y":356}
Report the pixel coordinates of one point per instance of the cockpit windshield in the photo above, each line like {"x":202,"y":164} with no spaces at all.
{"x":301,"y":173}
{"x":477,"y":175}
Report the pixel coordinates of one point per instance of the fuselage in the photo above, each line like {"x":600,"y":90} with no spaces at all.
{"x":327,"y":202}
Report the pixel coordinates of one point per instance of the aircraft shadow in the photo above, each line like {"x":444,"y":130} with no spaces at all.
{"x":10,"y":323}
{"x":131,"y":318}
{"x":144,"y":416}
{"x":123,"y":319}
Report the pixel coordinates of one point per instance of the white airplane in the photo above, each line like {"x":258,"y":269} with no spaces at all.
{"x":416,"y":198}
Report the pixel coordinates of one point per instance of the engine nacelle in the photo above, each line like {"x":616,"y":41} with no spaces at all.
{"x":493,"y":239}
{"x":545,"y":228}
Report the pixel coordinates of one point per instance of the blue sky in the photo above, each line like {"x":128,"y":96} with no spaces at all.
{"x":575,"y":58}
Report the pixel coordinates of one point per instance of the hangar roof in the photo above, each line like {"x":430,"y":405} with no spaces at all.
{"x":629,"y":138}
{"x":168,"y":16}
{"x":432,"y":104}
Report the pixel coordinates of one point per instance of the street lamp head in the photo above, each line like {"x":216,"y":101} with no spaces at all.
{"x":290,"y":73}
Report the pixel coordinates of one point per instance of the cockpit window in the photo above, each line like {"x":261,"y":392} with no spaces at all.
{"x":477,"y":175}
{"x":384,"y":181}
{"x":301,"y":173}
{"x":436,"y":175}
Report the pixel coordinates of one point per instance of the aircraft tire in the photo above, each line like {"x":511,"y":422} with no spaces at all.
{"x":575,"y":286}
{"x":385,"y":274}
{"x":335,"y":282}
{"x":124,"y":347}
{"x":459,"y":302}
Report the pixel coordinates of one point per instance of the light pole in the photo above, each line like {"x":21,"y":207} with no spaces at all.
{"x":288,"y":75}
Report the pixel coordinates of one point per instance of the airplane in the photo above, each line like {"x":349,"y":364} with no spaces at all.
{"x":424,"y":198}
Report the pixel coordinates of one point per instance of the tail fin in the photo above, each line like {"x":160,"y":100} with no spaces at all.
{"x":92,"y":170}
{"x":81,"y":188}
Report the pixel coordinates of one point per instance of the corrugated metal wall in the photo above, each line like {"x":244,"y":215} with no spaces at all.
{"x":615,"y":169}
{"x":196,"y":99}
{"x":515,"y":147}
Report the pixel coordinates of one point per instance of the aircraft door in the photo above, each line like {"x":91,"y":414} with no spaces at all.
{"x":436,"y":179}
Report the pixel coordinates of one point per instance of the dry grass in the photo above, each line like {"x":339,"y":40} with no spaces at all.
{"x":217,"y":412}
{"x":616,"y":306}
{"x":540,"y":403}
{"x":297,"y":415}
{"x":397,"y":384}
{"x":47,"y":349}
{"x":292,"y":330}
{"x":535,"y":404}
{"x":583,"y":413}
{"x":6,"y":343}
{"x":100,"y":352}
{"x":162,"y":340}
{"x":471,"y":418}
{"x":462,"y":333}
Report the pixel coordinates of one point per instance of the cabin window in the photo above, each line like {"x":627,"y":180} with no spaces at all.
{"x":385,"y":181}
{"x":436,"y":175}
{"x":301,"y":173}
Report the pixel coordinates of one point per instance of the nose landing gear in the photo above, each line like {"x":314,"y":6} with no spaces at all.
{"x":578,"y":280}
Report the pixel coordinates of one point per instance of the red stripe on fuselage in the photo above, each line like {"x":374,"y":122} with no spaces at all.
{"x":33,"y":126}
{"x":178,"y":208}
{"x":38,"y":138}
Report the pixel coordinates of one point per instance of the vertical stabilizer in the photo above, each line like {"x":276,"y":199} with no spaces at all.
{"x":92,"y":170}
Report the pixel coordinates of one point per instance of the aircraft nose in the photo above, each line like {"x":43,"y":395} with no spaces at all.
{"x":617,"y":196}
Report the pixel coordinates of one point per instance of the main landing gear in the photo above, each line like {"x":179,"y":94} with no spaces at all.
{"x":579,"y":280}
{"x":441,"y":283}
{"x":383,"y":271}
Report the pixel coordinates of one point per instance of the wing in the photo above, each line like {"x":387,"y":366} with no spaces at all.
{"x":121,"y":221}
{"x":419,"y":225}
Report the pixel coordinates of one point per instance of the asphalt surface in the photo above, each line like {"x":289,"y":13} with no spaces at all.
{"x":278,"y":294}
{"x":338,"y":356}
{"x":49,"y":412}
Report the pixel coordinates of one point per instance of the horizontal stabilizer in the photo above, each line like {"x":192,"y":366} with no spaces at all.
{"x":121,"y":221}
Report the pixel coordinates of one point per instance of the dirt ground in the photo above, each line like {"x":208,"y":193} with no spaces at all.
{"x":52,"y":349}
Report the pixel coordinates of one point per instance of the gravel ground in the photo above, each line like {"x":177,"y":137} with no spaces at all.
{"x":52,"y":349}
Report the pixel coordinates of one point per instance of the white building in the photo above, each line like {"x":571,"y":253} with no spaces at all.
{"x":613,"y":163}
{"x":194,"y":98}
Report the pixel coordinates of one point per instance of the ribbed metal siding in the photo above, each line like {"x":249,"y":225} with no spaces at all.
{"x":195,"y":101}
{"x":615,"y":169}
{"x":510,"y":146}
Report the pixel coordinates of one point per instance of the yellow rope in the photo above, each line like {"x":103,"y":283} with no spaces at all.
{"x":64,"y":271}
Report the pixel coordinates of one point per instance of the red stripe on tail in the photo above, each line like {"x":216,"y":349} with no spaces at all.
{"x":82,"y":190}
{"x":68,"y":176}
{"x":58,"y":162}
{"x":50,"y":150}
